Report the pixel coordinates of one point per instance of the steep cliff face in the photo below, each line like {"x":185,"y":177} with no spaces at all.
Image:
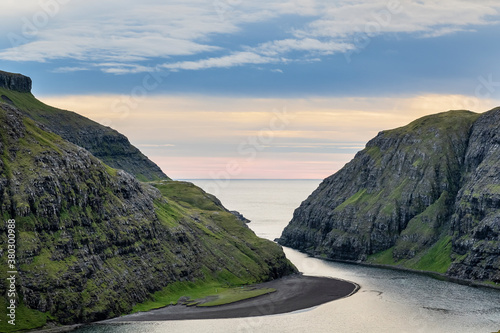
{"x":93,"y":242}
{"x":476,"y":218}
{"x":15,"y":82}
{"x":410,"y":198}
{"x":103,"y":142}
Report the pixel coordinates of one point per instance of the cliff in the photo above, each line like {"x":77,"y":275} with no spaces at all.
{"x":103,"y":142}
{"x":425,"y":196}
{"x":93,"y":242}
{"x":476,"y":220}
{"x":15,"y":82}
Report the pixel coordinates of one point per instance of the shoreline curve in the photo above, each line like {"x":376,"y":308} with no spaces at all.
{"x":293,"y":293}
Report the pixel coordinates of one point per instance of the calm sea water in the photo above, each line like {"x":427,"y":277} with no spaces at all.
{"x":389,"y":301}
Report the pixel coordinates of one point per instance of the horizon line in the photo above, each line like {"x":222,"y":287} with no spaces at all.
{"x":220,"y":179}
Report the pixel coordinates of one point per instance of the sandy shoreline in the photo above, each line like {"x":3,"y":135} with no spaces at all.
{"x":293,"y":293}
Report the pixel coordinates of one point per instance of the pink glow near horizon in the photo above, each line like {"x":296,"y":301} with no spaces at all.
{"x":223,"y":168}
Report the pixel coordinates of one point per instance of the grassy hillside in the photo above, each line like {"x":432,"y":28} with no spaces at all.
{"x":94,"y":243}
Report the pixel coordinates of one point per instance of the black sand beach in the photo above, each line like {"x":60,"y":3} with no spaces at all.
{"x":293,"y":293}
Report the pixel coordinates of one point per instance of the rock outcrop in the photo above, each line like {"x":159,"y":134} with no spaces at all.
{"x":425,"y":196}
{"x":15,"y":82}
{"x":476,"y":220}
{"x":92,"y":241}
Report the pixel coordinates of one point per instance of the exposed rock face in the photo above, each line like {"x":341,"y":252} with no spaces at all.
{"x":92,"y":241}
{"x":424,"y":196}
{"x":476,"y":219}
{"x":240,"y":216}
{"x":15,"y":82}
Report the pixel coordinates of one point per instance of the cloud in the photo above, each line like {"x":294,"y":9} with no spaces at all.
{"x":267,"y":53}
{"x":182,"y":35}
{"x":444,"y":31}
{"x":113,"y":31}
{"x":120,"y":68}
{"x":124,"y":47}
{"x":310,"y":45}
{"x":236,"y":59}
{"x":348,"y":18}
{"x":69,"y":69}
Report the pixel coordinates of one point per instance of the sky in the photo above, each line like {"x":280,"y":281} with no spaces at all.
{"x":233,"y":89}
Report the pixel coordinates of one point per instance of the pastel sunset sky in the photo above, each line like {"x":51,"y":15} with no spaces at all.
{"x":255,"y":89}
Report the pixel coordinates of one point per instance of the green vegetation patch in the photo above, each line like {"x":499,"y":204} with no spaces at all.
{"x":111,"y":171}
{"x":236,"y":294}
{"x":423,"y":229}
{"x":491,"y":283}
{"x":26,"y":101}
{"x":450,"y":121}
{"x":44,"y":138}
{"x":167,"y":214}
{"x":352,"y":200}
{"x":25,"y":318}
{"x":375,"y":153}
{"x":425,"y":223}
{"x":382,"y":258}
{"x":200,"y":293}
{"x":171,"y":294}
{"x":437,"y":258}
{"x":44,"y":265}
{"x":188,"y":195}
{"x":492,"y":188}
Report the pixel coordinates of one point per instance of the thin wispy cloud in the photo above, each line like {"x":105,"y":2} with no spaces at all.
{"x":129,"y":33}
{"x":236,"y":59}
{"x":309,"y":45}
{"x":70,"y":69}
{"x":444,"y":31}
{"x":120,"y":68}
{"x":375,"y":17}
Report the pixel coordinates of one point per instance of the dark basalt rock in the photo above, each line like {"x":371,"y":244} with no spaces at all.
{"x":15,"y":82}
{"x":240,"y":216}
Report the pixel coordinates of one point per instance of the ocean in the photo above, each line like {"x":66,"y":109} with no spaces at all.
{"x":388,"y":301}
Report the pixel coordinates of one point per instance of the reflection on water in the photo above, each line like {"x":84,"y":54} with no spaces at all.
{"x":409,"y":302}
{"x":389,"y":301}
